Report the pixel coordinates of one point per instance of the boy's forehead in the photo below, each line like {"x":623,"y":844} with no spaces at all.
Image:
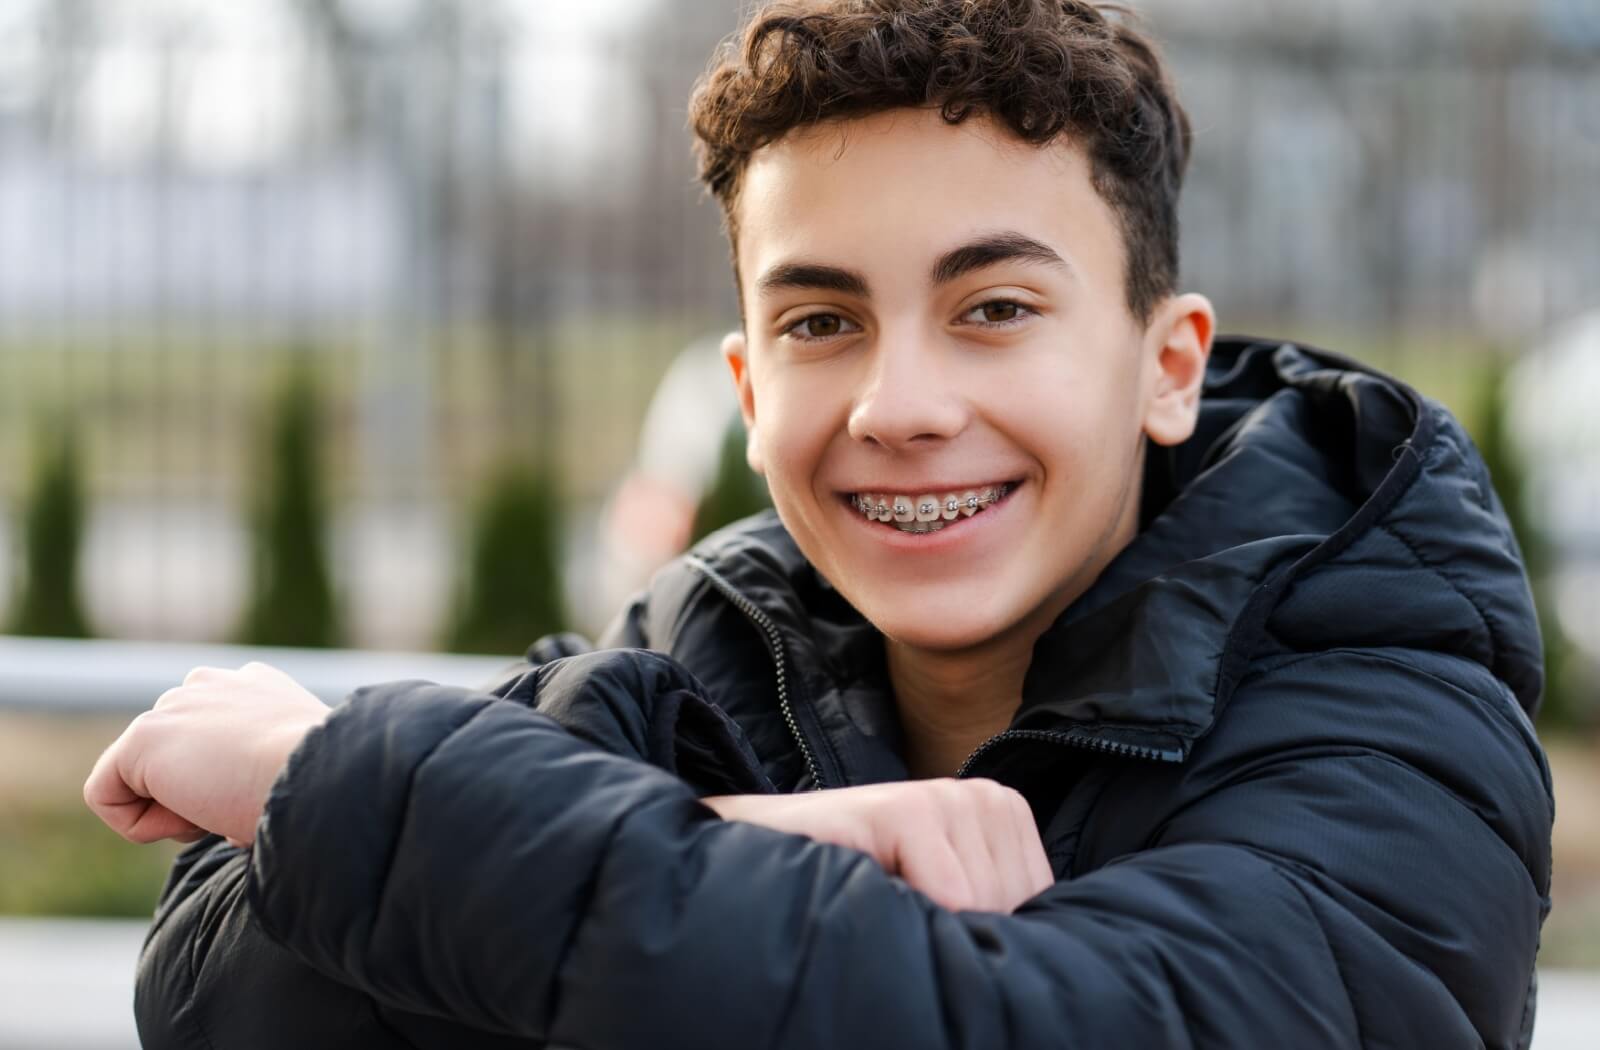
{"x":910,"y":178}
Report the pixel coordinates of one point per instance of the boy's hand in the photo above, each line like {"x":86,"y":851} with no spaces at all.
{"x":971,"y":845}
{"x":204,"y":758}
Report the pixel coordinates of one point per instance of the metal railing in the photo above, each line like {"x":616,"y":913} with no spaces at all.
{"x":90,"y":677}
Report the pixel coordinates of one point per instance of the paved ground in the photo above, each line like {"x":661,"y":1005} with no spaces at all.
{"x":67,"y":984}
{"x":1569,"y":1010}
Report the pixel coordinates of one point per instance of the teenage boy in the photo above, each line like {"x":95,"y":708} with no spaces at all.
{"x":1058,"y":705}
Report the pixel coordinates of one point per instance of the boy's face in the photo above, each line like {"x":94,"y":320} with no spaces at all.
{"x":936,"y":311}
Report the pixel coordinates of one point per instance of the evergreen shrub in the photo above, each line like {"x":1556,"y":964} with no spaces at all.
{"x":1562,"y":705}
{"x":48,"y":601}
{"x":291,"y":598}
{"x":511,"y":591}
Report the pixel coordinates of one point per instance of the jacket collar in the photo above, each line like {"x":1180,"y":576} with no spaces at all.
{"x":1275,"y":474}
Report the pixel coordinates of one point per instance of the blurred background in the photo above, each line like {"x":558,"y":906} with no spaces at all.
{"x":385,"y":329}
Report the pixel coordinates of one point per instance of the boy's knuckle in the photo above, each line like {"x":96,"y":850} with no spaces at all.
{"x":987,"y":796}
{"x":201,"y":674}
{"x":992,"y":790}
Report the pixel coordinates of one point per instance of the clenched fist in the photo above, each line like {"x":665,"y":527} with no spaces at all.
{"x":204,"y":758}
{"x":971,"y":845}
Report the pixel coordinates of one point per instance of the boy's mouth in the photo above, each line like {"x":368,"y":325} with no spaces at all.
{"x":930,"y":511}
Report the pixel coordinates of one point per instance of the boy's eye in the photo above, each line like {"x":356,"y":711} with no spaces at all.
{"x":819,"y":326}
{"x":997,"y":312}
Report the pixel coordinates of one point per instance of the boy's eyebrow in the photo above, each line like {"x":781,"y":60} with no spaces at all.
{"x":813,"y":275}
{"x":990,"y":249}
{"x":974,"y":255}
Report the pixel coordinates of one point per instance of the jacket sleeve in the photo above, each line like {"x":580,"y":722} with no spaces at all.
{"x":210,"y":976}
{"x":458,"y":856}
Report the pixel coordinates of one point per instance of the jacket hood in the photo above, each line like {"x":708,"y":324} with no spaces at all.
{"x":1319,"y":505}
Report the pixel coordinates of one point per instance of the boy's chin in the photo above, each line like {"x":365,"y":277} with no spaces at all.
{"x":949,"y":633}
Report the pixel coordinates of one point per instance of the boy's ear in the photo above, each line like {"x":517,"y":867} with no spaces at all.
{"x":1179,"y":340}
{"x":733,"y":352}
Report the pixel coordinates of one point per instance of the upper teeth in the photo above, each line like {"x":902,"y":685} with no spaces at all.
{"x":927,"y":512}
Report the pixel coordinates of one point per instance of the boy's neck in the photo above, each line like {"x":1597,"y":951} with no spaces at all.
{"x":950,"y":703}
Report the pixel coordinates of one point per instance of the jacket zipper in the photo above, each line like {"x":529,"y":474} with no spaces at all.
{"x":775,"y":646}
{"x":1073,"y":739}
{"x":769,"y":631}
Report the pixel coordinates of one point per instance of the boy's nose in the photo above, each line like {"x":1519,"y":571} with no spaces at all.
{"x":907,"y":397}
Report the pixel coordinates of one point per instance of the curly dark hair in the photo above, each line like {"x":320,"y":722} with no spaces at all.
{"x":1041,"y":68}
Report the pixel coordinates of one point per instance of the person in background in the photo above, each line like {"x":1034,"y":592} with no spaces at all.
{"x":1095,"y":682}
{"x":650,"y":517}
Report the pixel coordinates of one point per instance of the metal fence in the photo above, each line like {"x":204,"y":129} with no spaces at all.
{"x":480,"y":219}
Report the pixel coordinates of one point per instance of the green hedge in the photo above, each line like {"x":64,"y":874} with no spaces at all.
{"x":1565,"y":703}
{"x":511,"y":589}
{"x":291,"y":596}
{"x":49,"y":601}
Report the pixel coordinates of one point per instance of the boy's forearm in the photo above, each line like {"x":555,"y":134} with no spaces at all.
{"x":579,"y":880}
{"x":209,"y":976}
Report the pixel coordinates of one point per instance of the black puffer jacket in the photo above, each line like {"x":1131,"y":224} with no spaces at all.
{"x":1280,"y":757}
